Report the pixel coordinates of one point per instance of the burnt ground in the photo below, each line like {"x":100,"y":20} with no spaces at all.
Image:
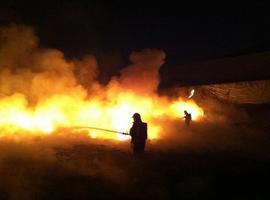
{"x":186,"y":175}
{"x":204,"y":165}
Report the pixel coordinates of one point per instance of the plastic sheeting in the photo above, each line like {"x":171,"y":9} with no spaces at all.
{"x":250,"y":92}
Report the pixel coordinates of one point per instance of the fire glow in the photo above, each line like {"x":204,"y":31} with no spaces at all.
{"x":41,"y":91}
{"x":68,"y":111}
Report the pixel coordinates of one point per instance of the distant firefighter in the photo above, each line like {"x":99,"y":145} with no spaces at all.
{"x":187,"y":117}
{"x":138,"y":133}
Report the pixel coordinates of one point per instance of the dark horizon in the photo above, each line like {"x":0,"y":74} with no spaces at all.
{"x":111,"y":31}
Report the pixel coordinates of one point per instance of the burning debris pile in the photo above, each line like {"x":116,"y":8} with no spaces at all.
{"x":41,"y":91}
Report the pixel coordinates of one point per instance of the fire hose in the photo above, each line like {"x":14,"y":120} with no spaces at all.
{"x":99,"y":129}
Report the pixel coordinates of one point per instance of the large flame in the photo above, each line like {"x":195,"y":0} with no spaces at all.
{"x":41,"y":91}
{"x":65,"y":111}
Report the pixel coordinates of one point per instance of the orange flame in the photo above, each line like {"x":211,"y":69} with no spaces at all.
{"x":41,"y":91}
{"x":68,"y":111}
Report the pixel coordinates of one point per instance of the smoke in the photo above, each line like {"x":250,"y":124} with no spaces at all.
{"x":36,"y":73}
{"x":46,"y":86}
{"x":40,"y":88}
{"x":39,"y":73}
{"x":142,"y":76}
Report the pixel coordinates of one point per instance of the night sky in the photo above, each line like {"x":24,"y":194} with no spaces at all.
{"x":111,"y":31}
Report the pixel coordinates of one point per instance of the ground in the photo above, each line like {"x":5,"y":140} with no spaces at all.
{"x":217,"y":162}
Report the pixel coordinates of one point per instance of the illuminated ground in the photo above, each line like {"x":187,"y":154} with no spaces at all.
{"x":214,"y":162}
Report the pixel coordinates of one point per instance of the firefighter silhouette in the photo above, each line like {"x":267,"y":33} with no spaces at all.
{"x":138,"y":133}
{"x":187,"y":117}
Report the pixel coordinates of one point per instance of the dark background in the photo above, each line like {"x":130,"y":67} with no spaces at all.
{"x":112,"y":30}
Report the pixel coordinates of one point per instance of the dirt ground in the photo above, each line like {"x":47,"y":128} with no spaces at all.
{"x":217,"y":162}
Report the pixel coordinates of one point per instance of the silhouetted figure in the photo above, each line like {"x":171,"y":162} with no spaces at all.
{"x":187,"y":117}
{"x":138,"y":134}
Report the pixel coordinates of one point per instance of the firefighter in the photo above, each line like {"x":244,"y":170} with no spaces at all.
{"x":187,"y":117}
{"x":138,"y":133}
